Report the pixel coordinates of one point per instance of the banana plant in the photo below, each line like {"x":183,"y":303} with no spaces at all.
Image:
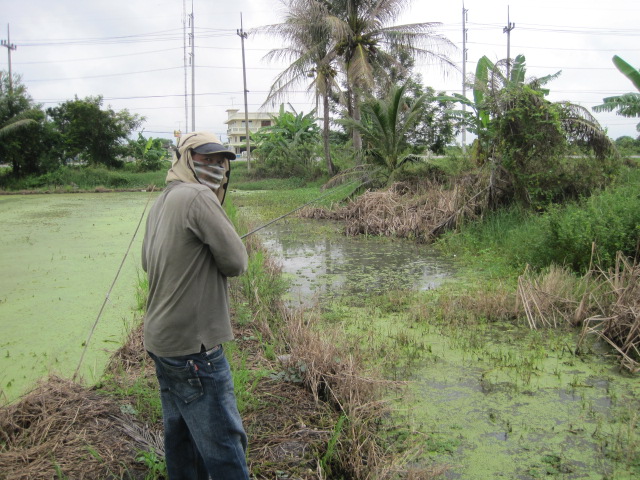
{"x":491,"y":79}
{"x":628,"y":104}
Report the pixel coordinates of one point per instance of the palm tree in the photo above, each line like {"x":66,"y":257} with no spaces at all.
{"x":18,"y":121}
{"x":521,"y":135}
{"x":369,"y":45}
{"x":307,"y":38}
{"x":627,"y":105}
{"x":385,"y":126}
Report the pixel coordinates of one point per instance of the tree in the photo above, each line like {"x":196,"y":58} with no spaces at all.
{"x":91,"y":133}
{"x":524,"y":138}
{"x":307,"y":36}
{"x":370,"y":46}
{"x":627,"y":105}
{"x":435,"y":128}
{"x":287,"y":147}
{"x":148,"y":152}
{"x":386,"y":126}
{"x":27,"y":141}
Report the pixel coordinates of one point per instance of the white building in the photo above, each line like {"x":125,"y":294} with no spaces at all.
{"x":237,"y":130}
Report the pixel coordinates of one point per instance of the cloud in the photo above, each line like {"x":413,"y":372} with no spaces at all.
{"x":132,"y":52}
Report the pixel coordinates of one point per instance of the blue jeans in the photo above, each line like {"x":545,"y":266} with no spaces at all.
{"x":203,"y":433}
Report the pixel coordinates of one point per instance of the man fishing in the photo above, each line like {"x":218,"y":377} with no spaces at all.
{"x":189,"y":249}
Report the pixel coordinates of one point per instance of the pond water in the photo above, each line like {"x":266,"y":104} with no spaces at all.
{"x":492,"y":401}
{"x":322,"y":263}
{"x":60,"y":256}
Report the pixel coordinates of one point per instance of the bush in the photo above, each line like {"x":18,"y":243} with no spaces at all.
{"x":83,"y":178}
{"x":611,"y":219}
{"x":284,"y":161}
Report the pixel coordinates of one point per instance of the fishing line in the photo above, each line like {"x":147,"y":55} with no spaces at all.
{"x":86,"y":344}
{"x":292,"y":211}
{"x":106,"y":299}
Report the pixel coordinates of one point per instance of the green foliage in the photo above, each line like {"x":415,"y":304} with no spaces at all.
{"x":245,"y":379}
{"x":155,"y":464}
{"x":610,"y":219}
{"x":91,"y":133}
{"x":74,"y":178}
{"x":261,"y":287}
{"x":510,"y":238}
{"x":532,"y":142}
{"x":28,"y":142}
{"x":77,"y":130}
{"x":627,"y":105}
{"x":386,"y":126}
{"x":329,"y":455}
{"x":289,"y":147}
{"x":627,"y":145}
{"x":524,"y":137}
{"x":150,"y":153}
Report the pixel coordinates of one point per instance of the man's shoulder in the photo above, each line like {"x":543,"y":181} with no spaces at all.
{"x":187,"y":189}
{"x":189,"y":192}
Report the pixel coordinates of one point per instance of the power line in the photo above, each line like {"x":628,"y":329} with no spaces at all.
{"x":89,"y":59}
{"x":106,"y":75}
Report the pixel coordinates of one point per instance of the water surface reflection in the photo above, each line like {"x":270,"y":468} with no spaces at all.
{"x":324,"y":263}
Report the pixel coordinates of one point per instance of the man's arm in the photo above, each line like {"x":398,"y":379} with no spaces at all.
{"x":216,"y":231}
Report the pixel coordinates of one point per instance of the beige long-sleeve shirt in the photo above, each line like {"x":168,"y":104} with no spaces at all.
{"x":189,"y":249}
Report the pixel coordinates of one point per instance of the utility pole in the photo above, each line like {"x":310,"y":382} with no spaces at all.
{"x":464,"y":69}
{"x":10,"y":46}
{"x":243,"y":35}
{"x":184,"y":64}
{"x":193,"y":71}
{"x":510,"y":26}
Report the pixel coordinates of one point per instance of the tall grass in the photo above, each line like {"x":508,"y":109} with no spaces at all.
{"x":78,"y":178}
{"x":510,"y":239}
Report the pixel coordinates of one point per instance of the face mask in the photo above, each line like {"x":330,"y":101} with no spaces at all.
{"x":214,"y":176}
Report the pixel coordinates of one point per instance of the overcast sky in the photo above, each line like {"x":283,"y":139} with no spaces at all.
{"x":132,"y":52}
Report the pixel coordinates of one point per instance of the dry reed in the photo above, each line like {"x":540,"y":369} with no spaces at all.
{"x":335,"y":377}
{"x":617,"y":321}
{"x":608,"y":307}
{"x":431,"y":209}
{"x":63,"y":427}
{"x":548,"y":298}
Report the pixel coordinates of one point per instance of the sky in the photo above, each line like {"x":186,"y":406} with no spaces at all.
{"x":132,"y":53}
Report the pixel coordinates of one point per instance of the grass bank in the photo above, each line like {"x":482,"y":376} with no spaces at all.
{"x":75,"y":179}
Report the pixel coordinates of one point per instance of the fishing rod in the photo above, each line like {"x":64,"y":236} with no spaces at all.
{"x":106,"y":299}
{"x":86,"y":343}
{"x":293,"y":211}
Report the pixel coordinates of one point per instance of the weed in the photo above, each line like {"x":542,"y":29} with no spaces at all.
{"x":328,"y":457}
{"x":156,"y":466}
{"x":94,"y":453}
{"x":244,"y":379}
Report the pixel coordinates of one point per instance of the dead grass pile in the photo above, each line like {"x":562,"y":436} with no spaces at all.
{"x":334,"y":376}
{"x":616,"y":295}
{"x":406,"y":211}
{"x":550,"y":298}
{"x":606,"y":304}
{"x":61,"y":428}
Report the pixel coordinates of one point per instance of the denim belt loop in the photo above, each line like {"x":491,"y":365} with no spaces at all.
{"x":214,"y":349}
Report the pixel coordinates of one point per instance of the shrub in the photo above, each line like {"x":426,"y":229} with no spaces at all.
{"x":610,"y":219}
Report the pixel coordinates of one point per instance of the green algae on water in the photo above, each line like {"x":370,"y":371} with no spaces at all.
{"x":61,"y":253}
{"x":487,"y":399}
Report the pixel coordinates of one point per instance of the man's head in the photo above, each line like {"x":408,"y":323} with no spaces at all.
{"x":214,"y":147}
{"x":210,"y":168}
{"x":201,"y":158}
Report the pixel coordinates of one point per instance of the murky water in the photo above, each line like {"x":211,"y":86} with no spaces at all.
{"x":492,"y":401}
{"x":61,"y":254}
{"x":322,"y":263}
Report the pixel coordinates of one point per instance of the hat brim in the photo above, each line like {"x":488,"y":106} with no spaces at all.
{"x":208,"y":148}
